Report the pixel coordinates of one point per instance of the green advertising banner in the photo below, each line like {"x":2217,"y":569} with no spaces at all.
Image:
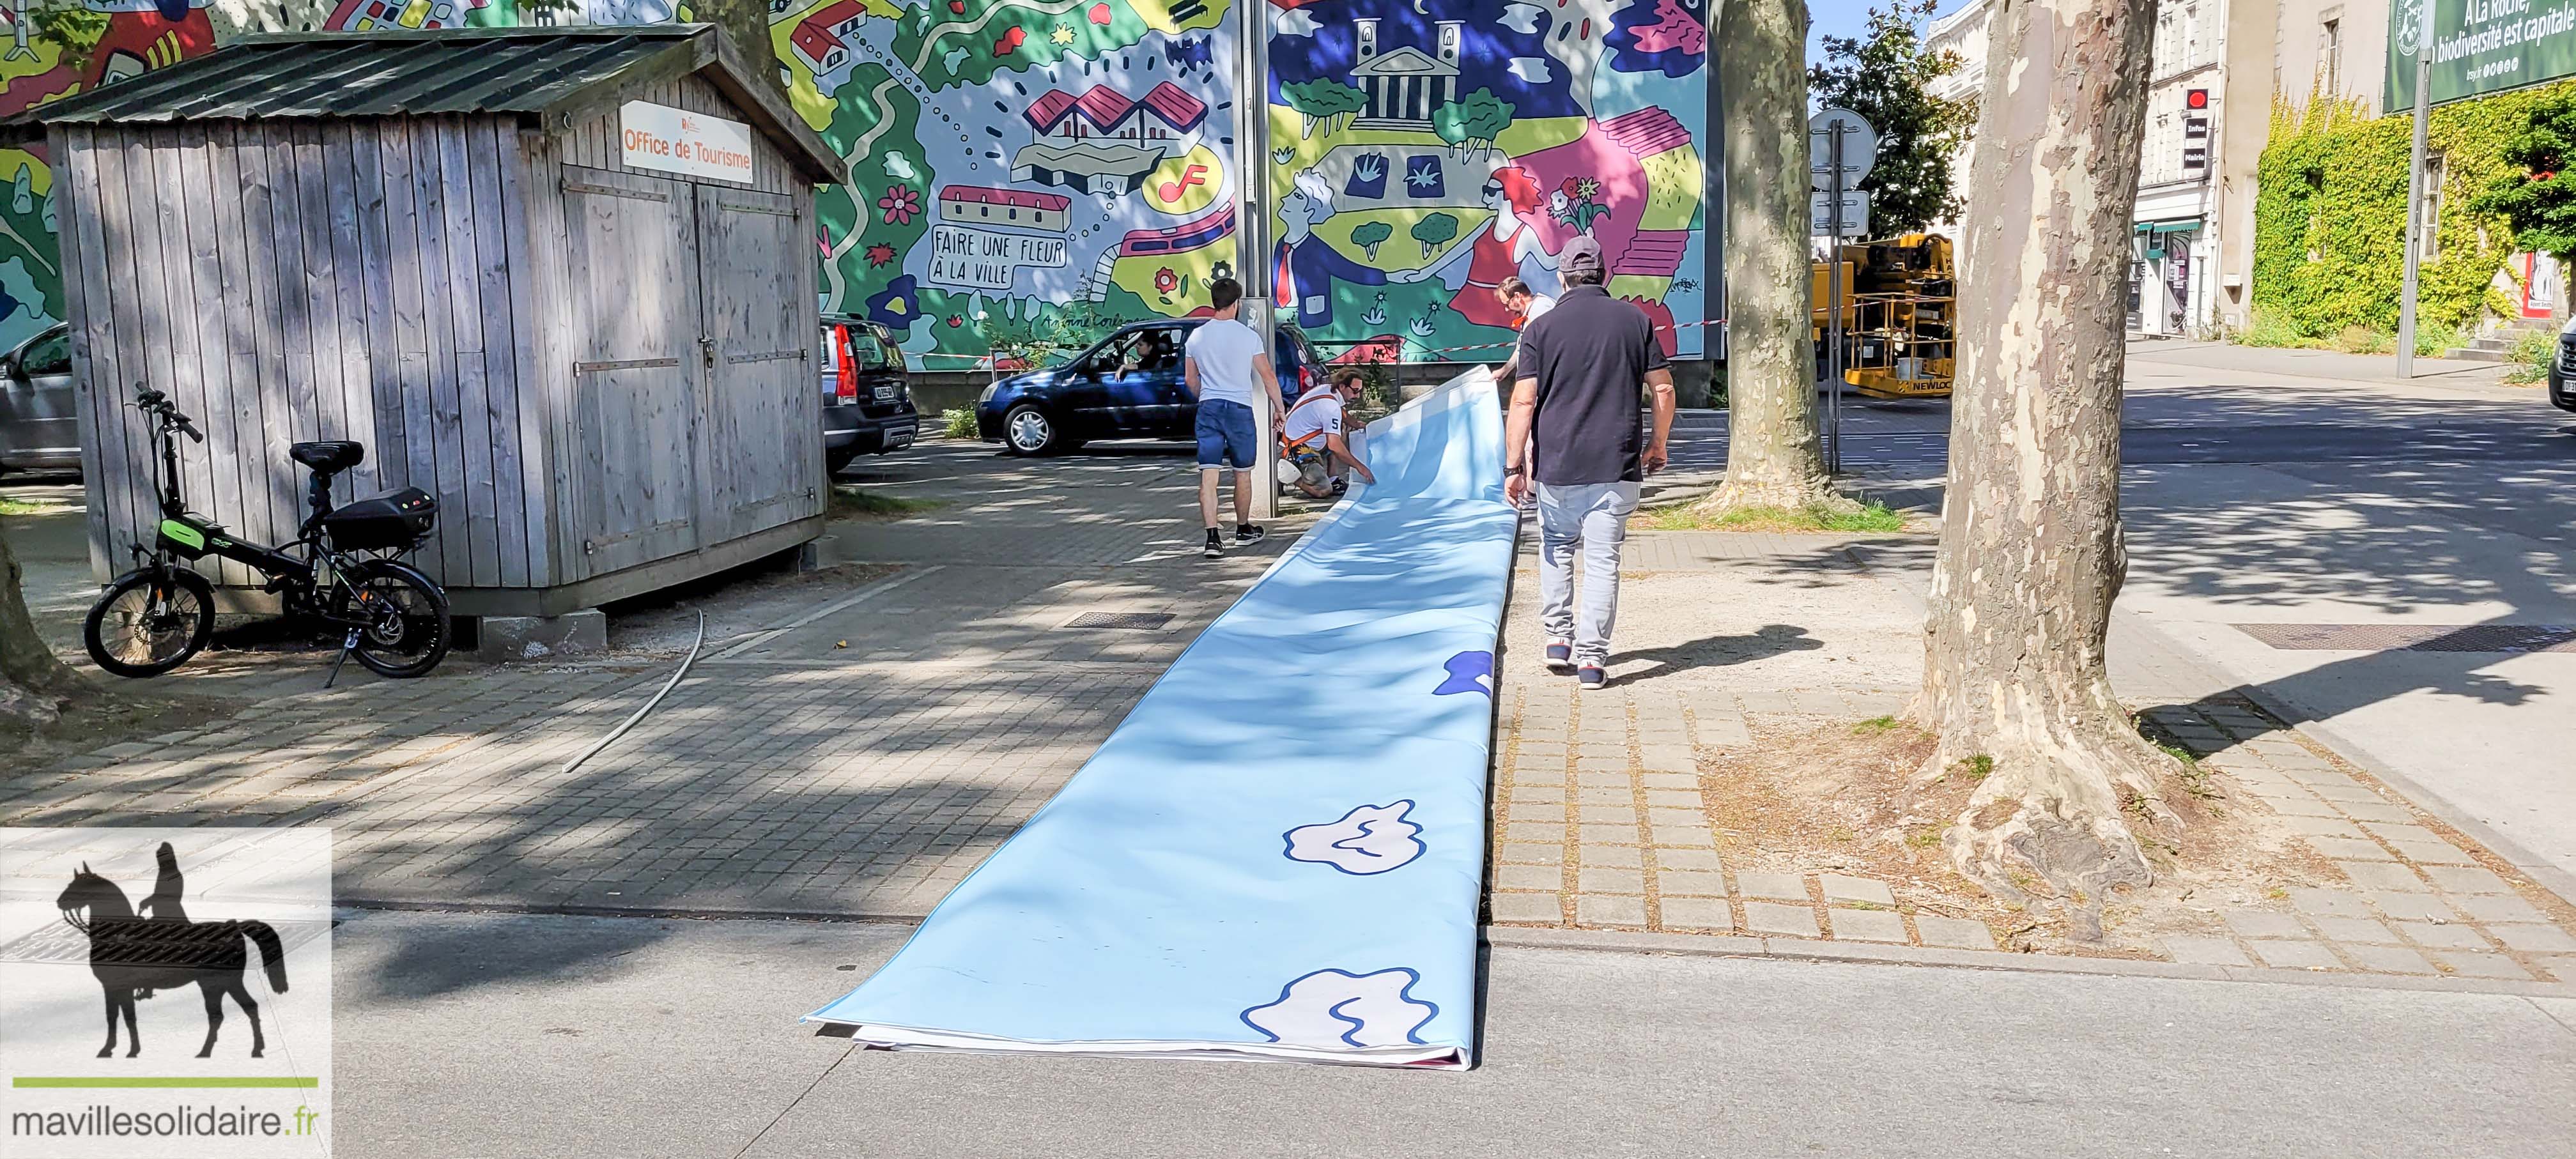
{"x":2480,"y":46}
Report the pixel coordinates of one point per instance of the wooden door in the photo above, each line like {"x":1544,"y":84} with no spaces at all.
{"x":764,"y":423}
{"x":632,"y":245}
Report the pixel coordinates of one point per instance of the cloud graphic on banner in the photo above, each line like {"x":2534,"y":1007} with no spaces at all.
{"x":1335,"y":1008}
{"x":1468,"y":672}
{"x":1293,"y":22}
{"x":1522,"y":18}
{"x":1369,"y":839}
{"x":1534,"y":70}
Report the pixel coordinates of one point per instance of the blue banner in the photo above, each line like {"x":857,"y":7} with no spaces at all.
{"x":1280,"y":852}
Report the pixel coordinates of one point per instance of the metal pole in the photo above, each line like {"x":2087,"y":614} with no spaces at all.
{"x":1252,"y":234}
{"x":1834,"y":301}
{"x":2415,"y":223}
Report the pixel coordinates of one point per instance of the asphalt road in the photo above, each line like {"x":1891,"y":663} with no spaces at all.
{"x":491,"y":1035}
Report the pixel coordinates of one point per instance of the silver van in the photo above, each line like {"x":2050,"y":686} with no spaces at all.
{"x":39,"y":429}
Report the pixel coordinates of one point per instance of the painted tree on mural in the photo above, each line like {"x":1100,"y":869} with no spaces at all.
{"x":1323,"y":103}
{"x":2031,"y":554}
{"x":1774,"y":457}
{"x":1472,"y":124}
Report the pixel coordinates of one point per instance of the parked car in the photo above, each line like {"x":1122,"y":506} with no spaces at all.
{"x":867,"y":392}
{"x":2562,"y":371}
{"x":1126,"y":386}
{"x":39,"y":427}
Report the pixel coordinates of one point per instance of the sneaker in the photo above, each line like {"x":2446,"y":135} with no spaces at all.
{"x":1215,"y":547}
{"x":1341,"y":486}
{"x":1247,"y":534}
{"x":1592,"y":678}
{"x":1560,"y":656}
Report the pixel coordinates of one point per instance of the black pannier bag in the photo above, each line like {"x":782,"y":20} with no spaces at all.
{"x":393,"y":521}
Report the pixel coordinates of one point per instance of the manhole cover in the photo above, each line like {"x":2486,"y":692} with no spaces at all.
{"x":2414,"y":637}
{"x":1133,"y":621}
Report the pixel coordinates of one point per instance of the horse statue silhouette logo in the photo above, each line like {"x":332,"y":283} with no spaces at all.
{"x":133,"y":955}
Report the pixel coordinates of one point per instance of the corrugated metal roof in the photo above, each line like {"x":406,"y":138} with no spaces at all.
{"x":372,"y":74}
{"x":361,"y":74}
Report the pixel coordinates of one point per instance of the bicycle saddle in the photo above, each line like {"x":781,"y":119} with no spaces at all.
{"x":335,"y":455}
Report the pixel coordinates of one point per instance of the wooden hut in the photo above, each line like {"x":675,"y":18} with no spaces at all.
{"x":562,"y":279}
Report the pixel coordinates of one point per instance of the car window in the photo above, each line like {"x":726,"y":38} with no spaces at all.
{"x":1143,"y":352}
{"x":51,"y":354}
{"x":864,"y":350}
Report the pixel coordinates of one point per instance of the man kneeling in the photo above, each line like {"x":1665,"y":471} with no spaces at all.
{"x":1312,"y":437}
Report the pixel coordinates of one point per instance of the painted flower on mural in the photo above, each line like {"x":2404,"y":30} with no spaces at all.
{"x":1577,"y":203}
{"x":1010,"y":41}
{"x":900,"y":204}
{"x":956,"y":320}
{"x":1061,"y":35}
{"x":1099,"y":14}
{"x":1165,"y":281}
{"x":880,"y":254}
{"x":898,"y":305}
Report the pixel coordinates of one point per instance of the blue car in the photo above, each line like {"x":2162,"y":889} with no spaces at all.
{"x":1126,"y":386}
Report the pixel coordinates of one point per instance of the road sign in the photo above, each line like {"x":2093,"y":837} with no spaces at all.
{"x":1860,"y":147}
{"x":1820,"y":213}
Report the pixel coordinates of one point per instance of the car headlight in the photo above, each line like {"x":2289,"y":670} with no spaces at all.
{"x":990,"y":389}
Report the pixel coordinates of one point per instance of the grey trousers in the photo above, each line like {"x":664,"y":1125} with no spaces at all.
{"x":1593,"y":516}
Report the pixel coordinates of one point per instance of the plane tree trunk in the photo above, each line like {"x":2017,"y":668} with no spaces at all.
{"x":1774,"y":457}
{"x":34,"y":686}
{"x":2014,"y":681}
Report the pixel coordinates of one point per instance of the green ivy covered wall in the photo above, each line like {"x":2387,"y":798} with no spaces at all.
{"x":2330,"y":213}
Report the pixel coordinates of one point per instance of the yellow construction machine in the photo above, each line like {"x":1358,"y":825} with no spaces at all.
{"x":1899,"y":301}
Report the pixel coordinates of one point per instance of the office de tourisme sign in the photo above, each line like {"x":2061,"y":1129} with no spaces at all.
{"x":679,"y":141}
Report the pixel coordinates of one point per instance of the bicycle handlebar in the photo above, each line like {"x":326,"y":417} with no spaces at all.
{"x":156,"y":403}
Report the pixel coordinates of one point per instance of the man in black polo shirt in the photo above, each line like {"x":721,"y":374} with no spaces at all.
{"x":1573,"y":433}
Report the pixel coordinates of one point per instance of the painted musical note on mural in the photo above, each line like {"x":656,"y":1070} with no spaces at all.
{"x":1172,"y":190}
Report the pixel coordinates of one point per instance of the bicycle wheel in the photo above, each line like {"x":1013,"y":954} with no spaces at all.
{"x":149,"y":622}
{"x":405,"y":614}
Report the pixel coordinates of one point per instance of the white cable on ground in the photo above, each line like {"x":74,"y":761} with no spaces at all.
{"x":620,"y":730}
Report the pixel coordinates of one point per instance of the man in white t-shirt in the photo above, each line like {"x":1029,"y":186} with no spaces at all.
{"x":1313,"y":435}
{"x":1225,"y":369}
{"x":1527,"y":305}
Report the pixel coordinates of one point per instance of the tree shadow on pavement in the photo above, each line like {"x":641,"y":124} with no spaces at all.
{"x":1716,"y":651}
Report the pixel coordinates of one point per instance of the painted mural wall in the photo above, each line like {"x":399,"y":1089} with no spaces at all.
{"x":1422,"y":153}
{"x":1038,"y":169}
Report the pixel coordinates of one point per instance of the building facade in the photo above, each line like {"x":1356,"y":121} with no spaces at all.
{"x":2193,"y":245}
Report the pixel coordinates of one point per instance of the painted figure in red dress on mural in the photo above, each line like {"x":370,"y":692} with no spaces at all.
{"x":1507,"y":247}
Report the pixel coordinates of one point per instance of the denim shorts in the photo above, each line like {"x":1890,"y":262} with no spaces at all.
{"x":1225,"y":434}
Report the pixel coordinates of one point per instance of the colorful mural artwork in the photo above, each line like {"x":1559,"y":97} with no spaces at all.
{"x":1031,"y":171}
{"x":1487,"y":135}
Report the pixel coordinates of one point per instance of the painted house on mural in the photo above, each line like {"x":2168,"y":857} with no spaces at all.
{"x":561,"y":279}
{"x":821,"y":40}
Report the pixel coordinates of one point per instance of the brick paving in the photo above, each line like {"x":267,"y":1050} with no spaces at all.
{"x":1599,"y":821}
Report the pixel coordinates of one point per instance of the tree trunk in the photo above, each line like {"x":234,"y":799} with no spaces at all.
{"x":2031,"y":557}
{"x":34,"y":686}
{"x":746,"y":23}
{"x":1774,"y":457}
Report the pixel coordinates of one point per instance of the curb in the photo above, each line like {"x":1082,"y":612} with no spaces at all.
{"x":1805,"y":950}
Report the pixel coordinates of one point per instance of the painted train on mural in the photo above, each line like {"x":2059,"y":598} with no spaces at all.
{"x":1029,"y":171}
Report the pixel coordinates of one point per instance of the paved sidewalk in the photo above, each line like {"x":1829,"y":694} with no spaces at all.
{"x":1600,"y":821}
{"x":856,"y":758}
